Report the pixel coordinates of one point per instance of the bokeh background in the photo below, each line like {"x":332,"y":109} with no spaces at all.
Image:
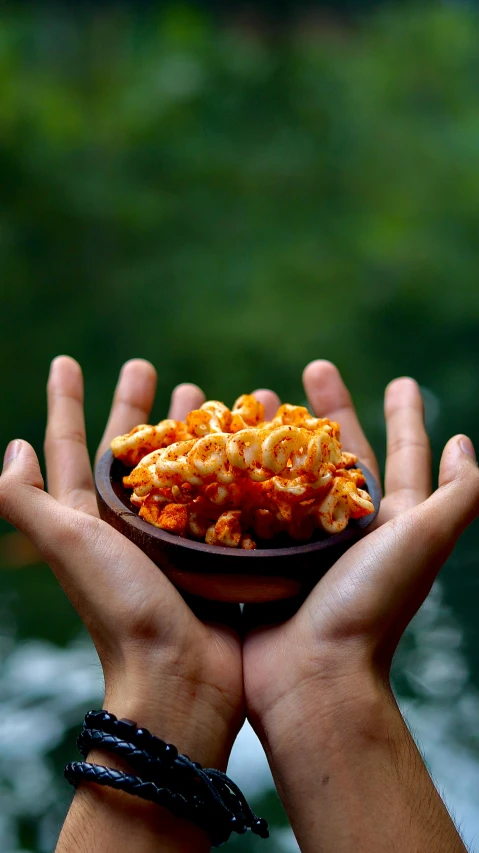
{"x":231,"y":191}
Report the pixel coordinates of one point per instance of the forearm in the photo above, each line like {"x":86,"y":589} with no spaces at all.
{"x":351,"y":778}
{"x":102,"y":820}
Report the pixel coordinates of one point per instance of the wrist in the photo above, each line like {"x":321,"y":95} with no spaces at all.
{"x":324,"y":712}
{"x":317,"y":684}
{"x":348,"y":771}
{"x":139,"y":764}
{"x":178,"y":712}
{"x":141,"y":825}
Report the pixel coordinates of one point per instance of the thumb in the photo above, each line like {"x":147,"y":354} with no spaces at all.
{"x":21,"y":462}
{"x":424,"y":537}
{"x":453,"y":506}
{"x":21,"y":487}
{"x":22,"y":452}
{"x":427,"y":534}
{"x":56,"y":531}
{"x":389,"y":573}
{"x":459,"y":479}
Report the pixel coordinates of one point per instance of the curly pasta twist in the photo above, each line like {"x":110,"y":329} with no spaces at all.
{"x":143,"y":439}
{"x":228,"y":476}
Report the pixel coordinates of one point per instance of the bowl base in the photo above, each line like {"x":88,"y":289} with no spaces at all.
{"x":235,"y":589}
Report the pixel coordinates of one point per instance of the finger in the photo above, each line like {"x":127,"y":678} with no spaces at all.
{"x":329,"y":398}
{"x":184,"y":399}
{"x":23,"y":501}
{"x":431,"y":530}
{"x":132,"y":401}
{"x":458,"y":462}
{"x":270,"y":401}
{"x":391,"y":570}
{"x":408,"y":464}
{"x":69,"y":474}
{"x":88,"y":556}
{"x":21,"y":486}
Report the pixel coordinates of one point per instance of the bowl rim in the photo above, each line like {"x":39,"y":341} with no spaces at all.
{"x":104,"y":488}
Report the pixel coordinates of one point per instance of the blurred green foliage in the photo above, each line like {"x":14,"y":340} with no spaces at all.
{"x":231,"y":206}
{"x":273,"y":10}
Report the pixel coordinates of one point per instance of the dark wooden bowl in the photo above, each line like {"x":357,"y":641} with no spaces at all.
{"x":226,"y":574}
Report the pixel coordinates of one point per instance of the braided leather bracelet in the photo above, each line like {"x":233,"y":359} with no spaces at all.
{"x":206,"y":797}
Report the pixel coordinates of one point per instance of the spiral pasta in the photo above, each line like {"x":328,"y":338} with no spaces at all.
{"x":229,"y":478}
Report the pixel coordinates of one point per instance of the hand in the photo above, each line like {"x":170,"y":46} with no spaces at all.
{"x":177,"y":675}
{"x":360,"y":608}
{"x":317,"y":684}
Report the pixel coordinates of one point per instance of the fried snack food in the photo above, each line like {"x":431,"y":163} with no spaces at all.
{"x":230,"y":478}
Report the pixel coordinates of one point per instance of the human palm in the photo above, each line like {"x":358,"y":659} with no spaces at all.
{"x":176,"y":670}
{"x":350,"y":623}
{"x":181,"y":672}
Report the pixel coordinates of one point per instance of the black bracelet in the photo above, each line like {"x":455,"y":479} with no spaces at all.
{"x":206,"y":797}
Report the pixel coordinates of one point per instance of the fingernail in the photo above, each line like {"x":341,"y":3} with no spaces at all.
{"x":12,"y":451}
{"x":467,"y":446}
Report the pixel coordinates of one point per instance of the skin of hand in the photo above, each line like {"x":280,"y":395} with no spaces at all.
{"x":317,"y":683}
{"x":175,"y":673}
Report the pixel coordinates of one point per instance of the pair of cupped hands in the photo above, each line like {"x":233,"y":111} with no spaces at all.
{"x":191,"y":673}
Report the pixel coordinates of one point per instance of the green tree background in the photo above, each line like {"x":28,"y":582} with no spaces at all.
{"x":231,"y":204}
